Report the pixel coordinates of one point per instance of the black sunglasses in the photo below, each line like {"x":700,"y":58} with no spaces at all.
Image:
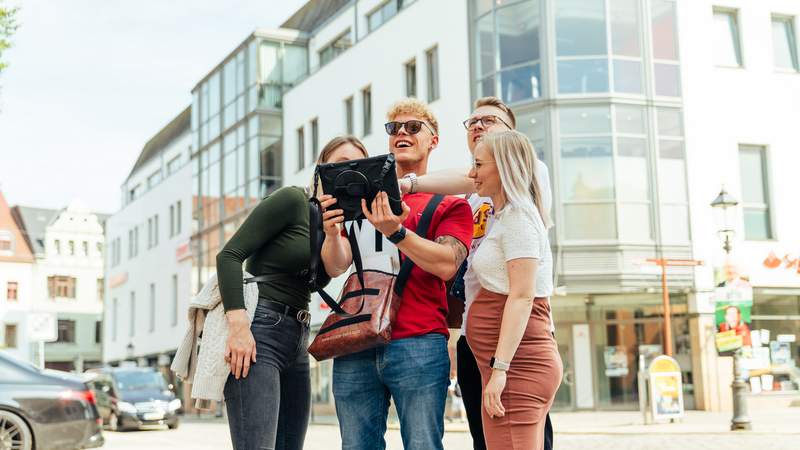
{"x":412,"y":127}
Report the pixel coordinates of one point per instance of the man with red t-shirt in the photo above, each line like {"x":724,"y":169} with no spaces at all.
{"x":414,"y":368}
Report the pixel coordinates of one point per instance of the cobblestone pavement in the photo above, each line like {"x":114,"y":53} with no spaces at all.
{"x":214,"y":435}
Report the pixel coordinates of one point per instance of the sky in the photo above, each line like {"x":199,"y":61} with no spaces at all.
{"x":90,"y":81}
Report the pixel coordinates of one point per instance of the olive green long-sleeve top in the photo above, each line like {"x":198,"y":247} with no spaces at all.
{"x":273,"y":239}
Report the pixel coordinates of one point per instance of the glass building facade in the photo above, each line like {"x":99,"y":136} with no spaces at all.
{"x":595,"y":85}
{"x":236,"y":139}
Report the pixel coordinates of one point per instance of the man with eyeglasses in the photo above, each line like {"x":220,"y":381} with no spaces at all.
{"x":490,"y":115}
{"x":414,"y":368}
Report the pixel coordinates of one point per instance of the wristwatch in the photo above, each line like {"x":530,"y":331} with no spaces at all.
{"x":412,"y":177}
{"x":397,"y":236}
{"x":495,"y":363}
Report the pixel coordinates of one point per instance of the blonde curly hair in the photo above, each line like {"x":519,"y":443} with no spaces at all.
{"x":414,"y":107}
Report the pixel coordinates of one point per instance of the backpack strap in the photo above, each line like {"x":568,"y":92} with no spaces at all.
{"x":422,"y":231}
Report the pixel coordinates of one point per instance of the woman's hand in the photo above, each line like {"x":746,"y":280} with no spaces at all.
{"x":491,"y":394}
{"x":331,"y":218}
{"x":240,"y":349}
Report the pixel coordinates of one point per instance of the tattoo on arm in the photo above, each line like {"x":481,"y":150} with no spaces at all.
{"x":459,"y":250}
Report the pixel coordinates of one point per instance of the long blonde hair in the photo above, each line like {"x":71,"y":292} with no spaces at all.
{"x":516,"y":162}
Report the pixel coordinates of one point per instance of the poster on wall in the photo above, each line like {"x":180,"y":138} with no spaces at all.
{"x":733,"y":303}
{"x":666,"y":388}
{"x":616,"y":359}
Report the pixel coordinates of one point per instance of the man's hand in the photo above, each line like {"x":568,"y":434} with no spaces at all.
{"x":331,"y":218}
{"x":491,"y":394}
{"x":382,"y":217}
{"x":240,"y":349}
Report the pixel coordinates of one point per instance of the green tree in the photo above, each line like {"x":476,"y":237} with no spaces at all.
{"x":8,"y":25}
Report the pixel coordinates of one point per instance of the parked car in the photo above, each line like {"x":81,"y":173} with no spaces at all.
{"x":133,"y":397}
{"x":45,"y":410}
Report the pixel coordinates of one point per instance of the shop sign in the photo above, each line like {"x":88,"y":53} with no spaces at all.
{"x":118,"y":280}
{"x":183,"y":251}
{"x":42,"y":327}
{"x":788,"y":261}
{"x":616,"y":359}
{"x":733,"y":303}
{"x":666,"y":388}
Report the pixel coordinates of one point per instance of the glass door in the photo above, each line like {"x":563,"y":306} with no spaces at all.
{"x":565,"y":395}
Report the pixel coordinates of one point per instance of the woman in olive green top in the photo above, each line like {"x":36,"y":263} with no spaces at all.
{"x":269,"y":397}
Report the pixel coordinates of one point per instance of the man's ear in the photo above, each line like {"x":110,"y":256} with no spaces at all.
{"x":434,"y":143}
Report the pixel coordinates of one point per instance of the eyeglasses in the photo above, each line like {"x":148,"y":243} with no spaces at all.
{"x":411,"y":126}
{"x":486,"y":122}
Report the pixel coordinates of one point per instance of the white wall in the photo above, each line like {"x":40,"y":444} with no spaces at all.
{"x":156,"y":265}
{"x":725,"y":107}
{"x":378,"y":60}
{"x":16,"y":312}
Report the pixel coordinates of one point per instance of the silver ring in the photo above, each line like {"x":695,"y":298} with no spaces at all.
{"x":303,"y":316}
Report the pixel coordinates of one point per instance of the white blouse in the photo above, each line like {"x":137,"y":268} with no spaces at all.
{"x":516,"y":233}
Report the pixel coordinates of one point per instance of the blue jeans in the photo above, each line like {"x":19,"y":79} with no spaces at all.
{"x":415,"y":372}
{"x":269,"y":409}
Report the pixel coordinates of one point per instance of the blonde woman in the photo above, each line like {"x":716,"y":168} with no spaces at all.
{"x":509,"y":326}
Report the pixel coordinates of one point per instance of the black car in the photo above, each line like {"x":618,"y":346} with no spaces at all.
{"x":129,"y":398}
{"x":45,"y":410}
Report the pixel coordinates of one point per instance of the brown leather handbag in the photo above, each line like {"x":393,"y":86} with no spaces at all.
{"x":367,"y":307}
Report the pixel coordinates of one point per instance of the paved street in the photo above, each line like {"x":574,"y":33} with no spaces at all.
{"x":214,"y":435}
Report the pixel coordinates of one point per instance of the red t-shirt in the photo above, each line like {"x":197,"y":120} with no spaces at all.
{"x":424,"y":306}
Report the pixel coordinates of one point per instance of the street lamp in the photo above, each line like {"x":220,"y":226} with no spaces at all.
{"x":725,"y":205}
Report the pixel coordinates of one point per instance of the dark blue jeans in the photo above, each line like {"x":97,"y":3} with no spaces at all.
{"x":414,"y":372}
{"x":269,"y":409}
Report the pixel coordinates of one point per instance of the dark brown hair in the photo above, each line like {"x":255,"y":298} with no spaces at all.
{"x":497,"y":103}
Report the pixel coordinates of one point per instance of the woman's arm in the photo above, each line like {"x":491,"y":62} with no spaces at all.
{"x":336,"y":254}
{"x":446,"y":182}
{"x":521,"y":283}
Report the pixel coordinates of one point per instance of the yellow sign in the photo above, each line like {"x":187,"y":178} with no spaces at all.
{"x":666,"y":388}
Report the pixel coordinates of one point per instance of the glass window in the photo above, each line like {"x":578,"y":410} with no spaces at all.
{"x":366,"y":108}
{"x":295,"y":63}
{"x":314,"y":139}
{"x":518,"y":33}
{"x":784,"y":44}
{"x":213,"y":95}
{"x":271,"y":125}
{"x":482,"y":6}
{"x":252,"y":63}
{"x":669,"y":122}
{"x":270,"y":65}
{"x":374,"y":20}
{"x":240,"y":73}
{"x":668,"y":80}
{"x":582,"y":76}
{"x":484,"y":45}
{"x":755,"y":192}
{"x":214,"y":182}
{"x":674,"y":224}
{"x":585,"y":120}
{"x":301,"y":149}
{"x":665,"y":44}
{"x":229,"y":80}
{"x":432,"y":58}
{"x":628,"y":76}
{"x":587,"y":169}
{"x":625,"y":30}
{"x":411,"y":78}
{"x":672,"y":172}
{"x":253,"y":158}
{"x":629,"y":119}
{"x":522,"y":83}
{"x":727,"y":48}
{"x":486,"y":87}
{"x":577,"y":218}
{"x":230,"y":173}
{"x":348,"y":115}
{"x":335,"y":48}
{"x":66,"y":331}
{"x":634,"y":221}
{"x":580,"y":27}
{"x":241,"y":176}
{"x":632,"y":182}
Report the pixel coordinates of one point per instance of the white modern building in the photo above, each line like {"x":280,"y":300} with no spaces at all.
{"x":642,"y":109}
{"x":68,"y":281}
{"x":148,"y":262}
{"x":16,"y":286}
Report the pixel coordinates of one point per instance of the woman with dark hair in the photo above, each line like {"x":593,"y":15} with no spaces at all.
{"x":268,"y":396}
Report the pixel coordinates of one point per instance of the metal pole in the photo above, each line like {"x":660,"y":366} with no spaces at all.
{"x":740,"y":420}
{"x":667,"y":312}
